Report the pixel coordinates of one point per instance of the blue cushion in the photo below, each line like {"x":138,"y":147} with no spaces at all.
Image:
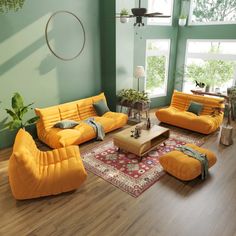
{"x":101,"y":107}
{"x":66,"y":124}
{"x":195,"y":108}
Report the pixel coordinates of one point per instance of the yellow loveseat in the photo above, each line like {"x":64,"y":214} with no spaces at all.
{"x":33,"y":173}
{"x":78,"y":111}
{"x":176,"y":114}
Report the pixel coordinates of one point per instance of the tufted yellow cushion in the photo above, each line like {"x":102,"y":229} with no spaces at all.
{"x":183,"y":167}
{"x":178,"y":115}
{"x":78,"y":110}
{"x":33,"y":173}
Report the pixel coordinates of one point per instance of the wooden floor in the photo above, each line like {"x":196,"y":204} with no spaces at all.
{"x":169,"y":207}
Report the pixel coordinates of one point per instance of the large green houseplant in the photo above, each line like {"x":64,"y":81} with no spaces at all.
{"x":11,"y":5}
{"x":17,"y":112}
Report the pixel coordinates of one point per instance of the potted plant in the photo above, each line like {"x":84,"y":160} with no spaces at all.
{"x":17,"y":112}
{"x":182,"y":20}
{"x":134,"y":99}
{"x":124,"y":16}
{"x":226,"y":136}
{"x":11,"y":5}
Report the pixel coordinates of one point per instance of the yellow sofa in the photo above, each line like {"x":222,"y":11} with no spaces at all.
{"x":177,"y":114}
{"x":33,"y":173}
{"x":78,"y":111}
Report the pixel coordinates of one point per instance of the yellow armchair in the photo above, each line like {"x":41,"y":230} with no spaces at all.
{"x":34,"y":173}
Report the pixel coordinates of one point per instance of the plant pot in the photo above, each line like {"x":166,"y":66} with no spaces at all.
{"x":124,"y":19}
{"x":226,"y":137}
{"x":137,"y":105}
{"x":141,"y":106}
{"x":182,"y":21}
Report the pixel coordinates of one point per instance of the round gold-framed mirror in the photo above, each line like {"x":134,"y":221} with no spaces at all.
{"x":80,"y":42}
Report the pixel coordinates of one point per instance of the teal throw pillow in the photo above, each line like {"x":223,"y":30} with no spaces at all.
{"x":66,"y":124}
{"x":195,"y":108}
{"x":101,"y":107}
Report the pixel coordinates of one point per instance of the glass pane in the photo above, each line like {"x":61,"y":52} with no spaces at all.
{"x":162,"y":6}
{"x":158,"y":46}
{"x":157,"y":56}
{"x":212,"y":46}
{"x":213,"y":11}
{"x":203,"y":72}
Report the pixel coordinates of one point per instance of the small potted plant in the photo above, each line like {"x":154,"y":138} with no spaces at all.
{"x":182,"y":20}
{"x":124,"y":16}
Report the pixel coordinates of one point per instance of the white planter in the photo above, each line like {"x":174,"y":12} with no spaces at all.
{"x":182,"y":22}
{"x":124,"y":19}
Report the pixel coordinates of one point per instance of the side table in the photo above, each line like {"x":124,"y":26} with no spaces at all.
{"x":136,"y":109}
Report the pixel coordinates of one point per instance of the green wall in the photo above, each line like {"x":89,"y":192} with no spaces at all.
{"x":27,"y":66}
{"x":124,"y":48}
{"x":108,"y":49}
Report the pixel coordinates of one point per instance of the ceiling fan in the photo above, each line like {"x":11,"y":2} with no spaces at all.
{"x":140,"y":12}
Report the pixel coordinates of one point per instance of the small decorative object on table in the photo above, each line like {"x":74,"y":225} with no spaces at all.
{"x":148,"y":125}
{"x":136,"y":133}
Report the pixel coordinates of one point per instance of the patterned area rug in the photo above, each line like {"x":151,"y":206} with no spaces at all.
{"x":123,"y":169}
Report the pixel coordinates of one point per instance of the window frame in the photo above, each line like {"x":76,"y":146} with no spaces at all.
{"x":191,"y":23}
{"x":167,"y":66}
{"x":205,"y":40}
{"x":163,"y":24}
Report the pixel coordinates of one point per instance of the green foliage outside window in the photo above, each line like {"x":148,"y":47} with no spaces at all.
{"x":215,"y":10}
{"x":11,"y":5}
{"x":155,"y":72}
{"x":213,"y":73}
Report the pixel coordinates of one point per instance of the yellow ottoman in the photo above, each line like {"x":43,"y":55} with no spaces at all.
{"x":184,"y":167}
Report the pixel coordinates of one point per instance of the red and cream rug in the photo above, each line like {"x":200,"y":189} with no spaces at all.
{"x":123,"y":169}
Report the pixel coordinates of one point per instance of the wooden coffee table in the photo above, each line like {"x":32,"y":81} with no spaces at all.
{"x":148,"y":140}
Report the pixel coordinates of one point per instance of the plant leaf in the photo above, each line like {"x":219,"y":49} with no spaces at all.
{"x":32,"y":120}
{"x":11,"y":113}
{"x":24,"y":110}
{"x":15,"y":124}
{"x":17,"y":102}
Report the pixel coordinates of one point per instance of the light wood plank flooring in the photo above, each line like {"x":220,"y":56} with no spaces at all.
{"x":169,"y":207}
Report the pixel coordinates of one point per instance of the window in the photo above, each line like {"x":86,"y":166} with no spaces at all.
{"x":212,"y":11}
{"x":157,"y":63}
{"x":210,"y":63}
{"x":162,"y":6}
